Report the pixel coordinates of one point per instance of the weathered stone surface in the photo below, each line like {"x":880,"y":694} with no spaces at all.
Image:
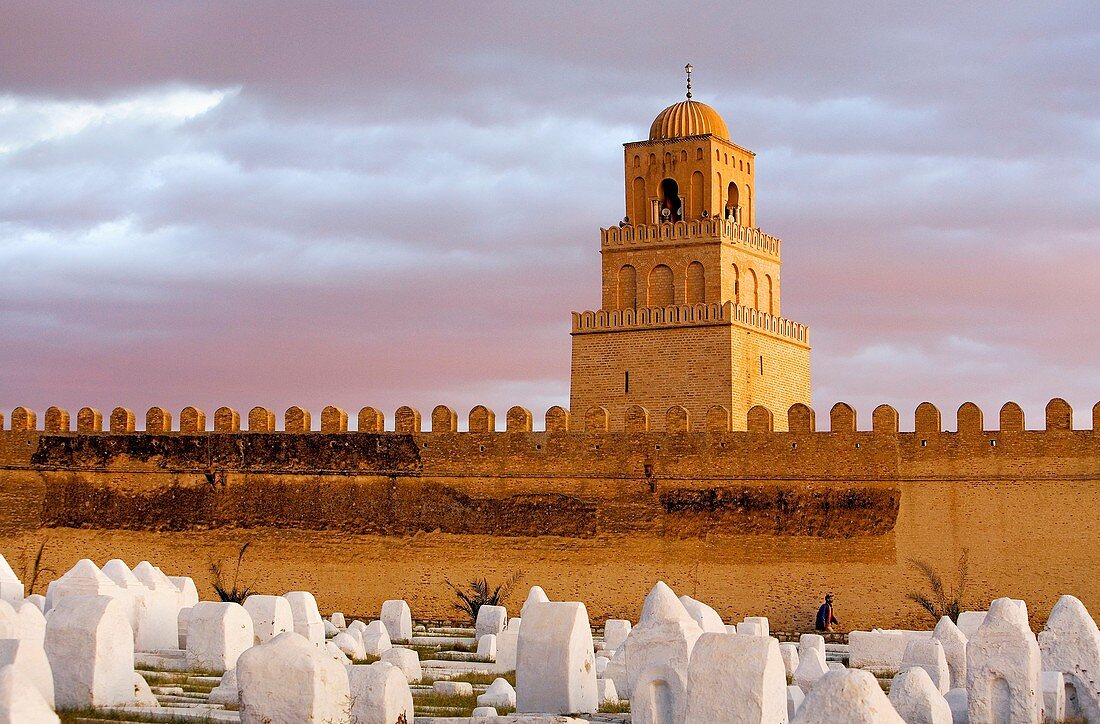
{"x":615,"y":631}
{"x":953,"y":641}
{"x":490,"y":620}
{"x":217,"y":634}
{"x":555,"y":662}
{"x":30,"y":660}
{"x":916,"y":698}
{"x":90,"y":647}
{"x":271,"y":616}
{"x":20,"y":700}
{"x":397,"y":618}
{"x":736,"y":677}
{"x":707,"y":618}
{"x":1003,"y":667}
{"x":1070,"y":643}
{"x":288,"y":679}
{"x":851,"y":696}
{"x":407,"y":660}
{"x":499,"y":694}
{"x":307,"y":619}
{"x":380,"y":694}
{"x":928,"y":655}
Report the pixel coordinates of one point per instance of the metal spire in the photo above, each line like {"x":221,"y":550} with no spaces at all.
{"x":687,"y":69}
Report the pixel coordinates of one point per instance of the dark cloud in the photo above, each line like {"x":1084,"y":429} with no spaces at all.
{"x":353,"y":203}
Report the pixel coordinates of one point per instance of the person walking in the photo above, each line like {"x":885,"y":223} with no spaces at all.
{"x":825,"y":616}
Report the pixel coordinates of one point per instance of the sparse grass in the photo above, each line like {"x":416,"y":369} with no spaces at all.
{"x":369,"y":659}
{"x":622,"y":706}
{"x":429,"y":652}
{"x":81,"y":715}
{"x":234,"y":592}
{"x":474,"y":677}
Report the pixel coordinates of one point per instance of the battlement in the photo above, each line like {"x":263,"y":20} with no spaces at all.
{"x":604,"y":320}
{"x":682,"y":231}
{"x":801,"y":419}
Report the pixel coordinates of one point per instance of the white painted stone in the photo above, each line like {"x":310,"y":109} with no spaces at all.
{"x":956,"y":700}
{"x":288,"y":679}
{"x":762,"y":622}
{"x":189,"y":594}
{"x":616,"y":672}
{"x":38,"y":600}
{"x":90,"y":647}
{"x":615,"y":631}
{"x":750,"y":628}
{"x":397,"y":617}
{"x":1054,"y":695}
{"x":11,"y":588}
{"x":330,"y":629}
{"x":337,"y":619}
{"x":535,"y":595}
{"x":555,"y":661}
{"x":742,"y":671}
{"x":380,"y":694}
{"x":336,"y":654}
{"x":490,"y":620}
{"x":349,"y":645}
{"x":158,"y":625}
{"x":834,"y":665}
{"x":916,"y":699}
{"x":498,"y":694}
{"x":929,"y":655}
{"x":407,"y":661}
{"x":30,"y":660}
{"x":271,"y":616}
{"x":20,"y":700}
{"x":306,"y":618}
{"x":1070,"y":643}
{"x":795,"y":697}
{"x":605,"y":691}
{"x":83,"y":579}
{"x":812,"y":645}
{"x":142,"y":694}
{"x":226,"y":692}
{"x":136,"y":592}
{"x":731,"y":629}
{"x":852,"y":696}
{"x":182,"y":619}
{"x":453,"y":688}
{"x":663,"y":638}
{"x":376,"y":639}
{"x":10,"y":627}
{"x":483,"y":712}
{"x":789,"y":653}
{"x":880,"y":651}
{"x":601,"y":665}
{"x":659,"y":696}
{"x":507,"y":645}
{"x":1002,"y":668}
{"x":217,"y":634}
{"x":811,"y":668}
{"x":707,"y":618}
{"x":31,"y":623}
{"x":970,"y":621}
{"x":953,"y":641}
{"x":487,"y":647}
{"x":356,"y":625}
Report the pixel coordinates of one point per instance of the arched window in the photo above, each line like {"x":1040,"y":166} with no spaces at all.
{"x":670,"y":201}
{"x":717,"y":155}
{"x":749,"y":219}
{"x":768,"y":291}
{"x":695,"y":198}
{"x":684,"y":156}
{"x":733,"y":200}
{"x":696,"y":284}
{"x":736,"y":285}
{"x":637,"y":161}
{"x":754,"y":290}
{"x":661,"y":287}
{"x":699,"y":154}
{"x":628,"y":288}
{"x":639,"y":207}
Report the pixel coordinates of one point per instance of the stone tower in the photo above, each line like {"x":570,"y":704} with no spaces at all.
{"x":691,"y":288}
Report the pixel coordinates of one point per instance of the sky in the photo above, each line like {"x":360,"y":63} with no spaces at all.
{"x":389,"y":203}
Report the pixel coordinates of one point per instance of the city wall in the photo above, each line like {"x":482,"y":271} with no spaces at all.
{"x":753,"y":522}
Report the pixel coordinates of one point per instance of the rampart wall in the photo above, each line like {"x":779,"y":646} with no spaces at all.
{"x":754,"y":522}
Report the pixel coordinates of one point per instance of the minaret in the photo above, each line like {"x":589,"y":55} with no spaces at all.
{"x":691,"y":287}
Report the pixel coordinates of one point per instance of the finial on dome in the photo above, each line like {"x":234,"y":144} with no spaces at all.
{"x":687,"y":69}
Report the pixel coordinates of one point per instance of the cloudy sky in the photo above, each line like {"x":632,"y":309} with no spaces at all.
{"x":396,"y":203}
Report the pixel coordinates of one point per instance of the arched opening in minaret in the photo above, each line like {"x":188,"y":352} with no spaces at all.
{"x":695,"y":199}
{"x":628,"y":288}
{"x":671,"y":205}
{"x":638,"y":211}
{"x":733,"y":201}
{"x":696,"y":283}
{"x":661,"y":287}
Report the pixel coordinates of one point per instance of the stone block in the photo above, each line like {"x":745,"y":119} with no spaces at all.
{"x":916,"y":698}
{"x":380,"y":694}
{"x":30,"y":660}
{"x":555,"y":662}
{"x":736,"y":672}
{"x":306,"y":618}
{"x":217,"y":634}
{"x":954,"y":650}
{"x":707,"y":618}
{"x":499,"y":694}
{"x":20,"y":700}
{"x":615,"y":631}
{"x":1003,"y":667}
{"x":1070,"y":644}
{"x":490,"y":620}
{"x":288,"y":679}
{"x":789,"y":653}
{"x":271,"y":616}
{"x":90,"y":647}
{"x":928,"y":655}
{"x":852,"y":696}
{"x":487,"y":647}
{"x":376,"y":639}
{"x":397,"y":618}
{"x":407,"y":660}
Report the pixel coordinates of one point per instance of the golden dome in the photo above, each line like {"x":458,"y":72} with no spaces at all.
{"x":688,"y":118}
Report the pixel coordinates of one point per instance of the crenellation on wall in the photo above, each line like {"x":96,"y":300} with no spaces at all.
{"x":158,"y":420}
{"x":1059,"y":415}
{"x":801,"y":418}
{"x":444,"y":419}
{"x":371,"y":419}
{"x":89,"y":419}
{"x":297,"y":419}
{"x":122,"y":421}
{"x":334,"y":419}
{"x":884,"y":420}
{"x":842,"y":418}
{"x":760,"y":419}
{"x":23,"y":419}
{"x":406,"y":420}
{"x":927,"y":418}
{"x":57,"y":419}
{"x":518,"y":419}
{"x":1012,"y":418}
{"x":482,"y":419}
{"x":969,"y":419}
{"x":677,"y":420}
{"x":261,"y":420}
{"x":637,"y":419}
{"x":718,"y":419}
{"x":557,"y":419}
{"x":192,"y":420}
{"x":226,"y":419}
{"x":596,"y":419}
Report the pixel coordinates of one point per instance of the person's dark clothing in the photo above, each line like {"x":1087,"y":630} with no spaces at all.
{"x":825,"y":617}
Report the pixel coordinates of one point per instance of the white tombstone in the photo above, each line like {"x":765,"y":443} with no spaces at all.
{"x":555,"y":662}
{"x":1003,"y":666}
{"x":83,"y":579}
{"x":11,"y":588}
{"x":226,"y":692}
{"x":189,"y":594}
{"x":795,"y":697}
{"x":406,"y":660}
{"x":453,"y":688}
{"x":615,"y":631}
{"x":29,"y":659}
{"x":271,"y":616}
{"x":916,"y":698}
{"x":742,"y":669}
{"x":811,"y":645}
{"x":307,"y":619}
{"x":761,"y":622}
{"x":852,"y":696}
{"x":601,"y":665}
{"x":20,"y":701}
{"x":605,"y":691}
{"x":356,"y":625}
{"x":350,"y":645}
{"x":789,"y":653}
{"x":487,"y":647}
{"x":336,"y":654}
{"x":880,"y":651}
{"x":663,"y":639}
{"x":376,"y":639}
{"x":929,"y":655}
{"x":337,"y":619}
{"x":142,"y":694}
{"x":499,"y":694}
{"x":483,"y":712}
{"x":535,"y":595}
{"x":158,"y":627}
{"x":217,"y":634}
{"x":507,"y":644}
{"x":970,"y":621}
{"x":10,"y":627}
{"x":1070,"y":643}
{"x":37,"y":600}
{"x":953,"y":641}
{"x":330,"y":629}
{"x":616,"y":671}
{"x":749,"y":628}
{"x":707,"y":618}
{"x":136,"y":592}
{"x":380,"y":694}
{"x":90,"y":646}
{"x":490,"y":620}
{"x":1054,"y":695}
{"x":182,"y":618}
{"x":397,"y":617}
{"x":811,"y":668}
{"x":956,"y":700}
{"x":288,"y":679}
{"x":31,"y":622}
